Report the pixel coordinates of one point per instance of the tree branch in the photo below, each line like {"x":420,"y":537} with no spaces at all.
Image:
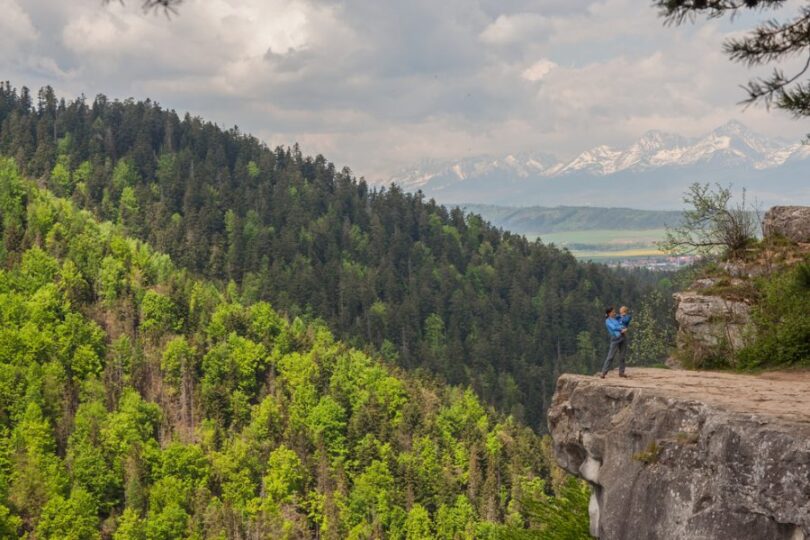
{"x":769,"y":42}
{"x":168,"y":6}
{"x":679,"y":11}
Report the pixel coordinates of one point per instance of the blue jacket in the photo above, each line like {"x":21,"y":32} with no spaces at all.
{"x":625,"y":320}
{"x":614,"y":326}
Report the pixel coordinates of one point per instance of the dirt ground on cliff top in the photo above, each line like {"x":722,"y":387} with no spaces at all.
{"x":779,"y":394}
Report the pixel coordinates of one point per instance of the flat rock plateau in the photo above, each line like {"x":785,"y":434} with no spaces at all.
{"x":674,"y":454}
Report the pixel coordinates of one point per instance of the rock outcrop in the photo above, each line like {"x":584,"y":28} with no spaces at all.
{"x":714,"y":314}
{"x":791,"y":222}
{"x":708,"y":324}
{"x":689,"y":455}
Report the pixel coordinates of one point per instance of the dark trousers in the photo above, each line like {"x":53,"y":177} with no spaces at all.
{"x":617,"y":348}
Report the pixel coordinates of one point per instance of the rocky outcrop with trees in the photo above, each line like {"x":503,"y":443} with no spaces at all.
{"x":719,"y":314}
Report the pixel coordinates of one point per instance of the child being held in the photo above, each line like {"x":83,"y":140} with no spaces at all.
{"x":625,"y":317}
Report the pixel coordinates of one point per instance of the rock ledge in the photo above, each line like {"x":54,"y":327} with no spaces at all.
{"x":692,"y":455}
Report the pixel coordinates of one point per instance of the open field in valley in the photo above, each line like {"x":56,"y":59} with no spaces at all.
{"x":607,"y":243}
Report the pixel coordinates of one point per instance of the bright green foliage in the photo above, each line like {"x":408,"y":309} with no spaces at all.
{"x":61,"y":178}
{"x":9,"y":524}
{"x":167,"y":518}
{"x":564,"y":517}
{"x":285,"y":476}
{"x":185,"y":462}
{"x":370,"y":502}
{"x":124,"y":175}
{"x":128,"y":210}
{"x":456,"y":522}
{"x":253,"y":169}
{"x":264,"y":323}
{"x":141,"y":404}
{"x":178,"y":358}
{"x":158,"y":312}
{"x":130,"y":526}
{"x":74,"y":518}
{"x":92,"y":466}
{"x":12,"y":192}
{"x":111,"y":278}
{"x":134,"y":423}
{"x":327,"y":422}
{"x":418,"y":524}
{"x":782,"y":321}
{"x":37,"y":474}
{"x":36,"y":269}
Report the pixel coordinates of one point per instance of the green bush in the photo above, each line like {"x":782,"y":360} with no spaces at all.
{"x":781,"y":322}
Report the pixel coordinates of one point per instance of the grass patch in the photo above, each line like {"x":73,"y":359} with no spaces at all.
{"x":650,"y":455}
{"x":684,"y":438}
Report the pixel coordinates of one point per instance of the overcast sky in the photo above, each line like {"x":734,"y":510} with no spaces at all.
{"x":379,"y":85}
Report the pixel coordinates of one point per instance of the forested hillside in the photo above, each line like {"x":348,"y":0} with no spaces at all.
{"x":431,"y":289}
{"x":138,"y":402}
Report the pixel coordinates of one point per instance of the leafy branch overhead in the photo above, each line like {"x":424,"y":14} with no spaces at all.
{"x":771,"y":42}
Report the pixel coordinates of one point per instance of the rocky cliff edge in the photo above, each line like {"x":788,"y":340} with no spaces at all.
{"x":689,"y":455}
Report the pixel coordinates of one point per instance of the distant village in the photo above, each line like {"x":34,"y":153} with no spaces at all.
{"x":656,"y":263}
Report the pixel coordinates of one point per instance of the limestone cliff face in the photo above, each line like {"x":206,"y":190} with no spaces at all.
{"x":689,"y":455}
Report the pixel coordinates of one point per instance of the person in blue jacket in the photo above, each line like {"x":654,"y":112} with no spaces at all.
{"x":617,"y":332}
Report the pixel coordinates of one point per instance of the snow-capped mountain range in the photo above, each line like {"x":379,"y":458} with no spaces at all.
{"x":652,"y":172}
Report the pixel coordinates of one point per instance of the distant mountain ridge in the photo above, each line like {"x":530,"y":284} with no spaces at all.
{"x":539,"y":219}
{"x":652,"y":172}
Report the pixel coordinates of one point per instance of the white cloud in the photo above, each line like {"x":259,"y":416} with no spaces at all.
{"x":538,"y":70}
{"x":15,"y":27}
{"x":380,"y":85}
{"x":508,"y":29}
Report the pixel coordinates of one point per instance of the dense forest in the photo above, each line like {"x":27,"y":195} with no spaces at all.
{"x":430,"y":288}
{"x":139,"y":402}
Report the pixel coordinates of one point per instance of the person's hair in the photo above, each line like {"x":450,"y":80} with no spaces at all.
{"x":607,"y":311}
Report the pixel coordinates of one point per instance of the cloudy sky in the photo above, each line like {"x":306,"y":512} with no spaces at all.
{"x":379,"y":85}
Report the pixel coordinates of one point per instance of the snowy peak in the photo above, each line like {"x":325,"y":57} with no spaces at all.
{"x":655,"y":140}
{"x":441,"y":174}
{"x":599,"y":160}
{"x":731,"y":146}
